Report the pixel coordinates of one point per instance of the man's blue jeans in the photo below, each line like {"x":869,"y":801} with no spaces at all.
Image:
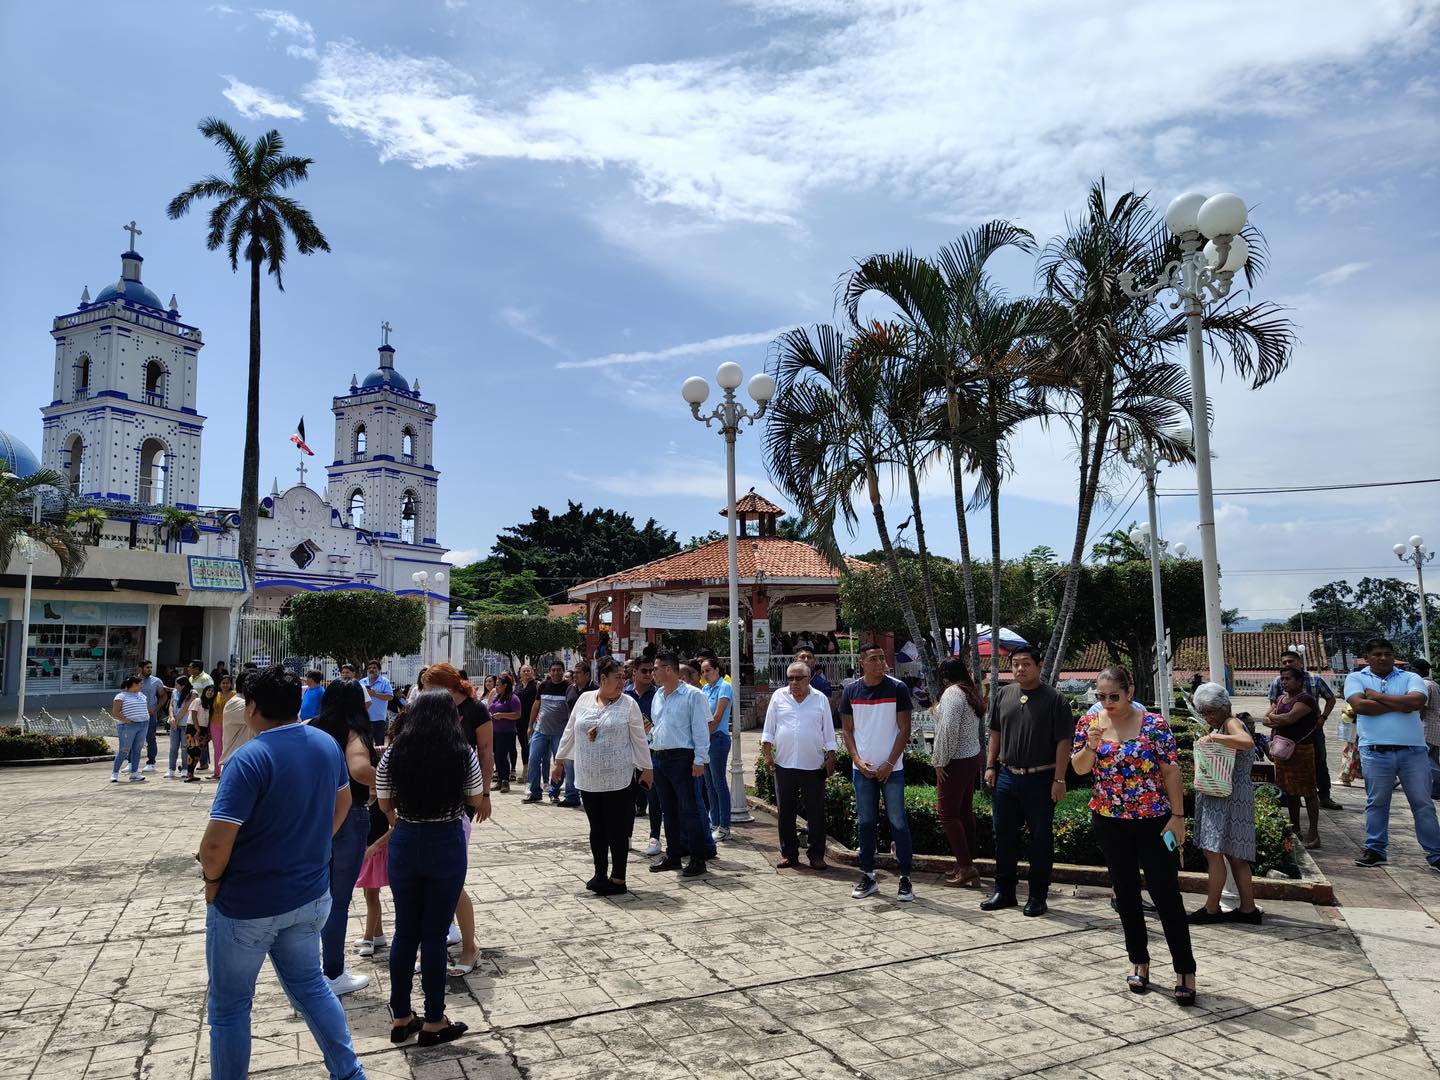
{"x":542,"y":749}
{"x":1020,"y":800}
{"x":1434,"y":752}
{"x":427,"y":863}
{"x":717,"y":784}
{"x":130,"y":736}
{"x":680,"y":810}
{"x":867,"y":817}
{"x":152,"y":747}
{"x":234,"y":951}
{"x":1411,"y":764}
{"x":347,"y":853}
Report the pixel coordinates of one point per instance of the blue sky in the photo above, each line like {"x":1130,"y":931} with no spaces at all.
{"x":566,"y":208}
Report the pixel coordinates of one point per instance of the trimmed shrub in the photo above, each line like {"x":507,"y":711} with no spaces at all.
{"x":17,"y":747}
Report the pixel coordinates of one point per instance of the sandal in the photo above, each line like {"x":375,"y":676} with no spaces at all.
{"x":449,"y":1033}
{"x":400,"y":1032}
{"x":457,"y":970}
{"x":1137,"y":982}
{"x":957,"y":879}
{"x":1184,"y":995}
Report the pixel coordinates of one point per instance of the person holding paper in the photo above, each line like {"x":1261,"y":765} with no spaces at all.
{"x":1225,"y":826}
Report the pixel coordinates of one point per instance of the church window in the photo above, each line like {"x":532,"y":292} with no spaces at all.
{"x":154,"y":382}
{"x":302,"y":555}
{"x":152,"y":471}
{"x":74,"y":457}
{"x":361,"y":440}
{"x":409,"y":512}
{"x":407,"y":446}
{"x":82,"y":378}
{"x":357,"y":509}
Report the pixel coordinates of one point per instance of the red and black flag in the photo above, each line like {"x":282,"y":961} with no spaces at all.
{"x":299,"y":439}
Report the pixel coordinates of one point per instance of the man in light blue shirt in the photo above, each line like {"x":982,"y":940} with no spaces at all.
{"x":1387,"y":703}
{"x":150,"y":686}
{"x":680,"y":749}
{"x":378,"y":693}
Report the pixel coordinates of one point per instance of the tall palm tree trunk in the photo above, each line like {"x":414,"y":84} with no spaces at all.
{"x":897,"y":581}
{"x":957,"y":474}
{"x":927,"y":582}
{"x":250,"y":467}
{"x":1091,"y":460}
{"x":994,"y":466}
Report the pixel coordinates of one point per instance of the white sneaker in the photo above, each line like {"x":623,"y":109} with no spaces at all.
{"x":348,"y":982}
{"x":367,"y":947}
{"x":148,"y":768}
{"x":114,"y":777}
{"x":452,"y":938}
{"x":652,"y":848}
{"x":170,"y":775}
{"x":136,"y":778}
{"x":719,"y":834}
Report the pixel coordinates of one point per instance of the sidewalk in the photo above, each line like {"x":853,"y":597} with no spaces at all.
{"x":745,"y":973}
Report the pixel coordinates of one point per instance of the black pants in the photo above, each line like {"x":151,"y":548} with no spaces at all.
{"x":1322,"y":765}
{"x":504,"y":756}
{"x":687,"y":831}
{"x":1023,"y":800}
{"x":612,"y":819}
{"x":1131,"y":845}
{"x":792,"y":786}
{"x":524,"y":740}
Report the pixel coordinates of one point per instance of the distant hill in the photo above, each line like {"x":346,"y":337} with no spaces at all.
{"x":1248,"y":626}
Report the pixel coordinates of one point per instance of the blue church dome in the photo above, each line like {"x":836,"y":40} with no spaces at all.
{"x":386,"y":376}
{"x":135,"y":292}
{"x":19,"y":459}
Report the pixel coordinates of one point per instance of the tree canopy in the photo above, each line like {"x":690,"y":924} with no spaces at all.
{"x":1385,"y":606}
{"x":355,"y":625}
{"x":561,"y":550}
{"x":524,"y":637}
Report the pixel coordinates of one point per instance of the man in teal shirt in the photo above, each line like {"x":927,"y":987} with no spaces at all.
{"x":1387,"y":702}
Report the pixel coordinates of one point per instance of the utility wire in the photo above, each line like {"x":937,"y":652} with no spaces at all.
{"x":1175,"y":493}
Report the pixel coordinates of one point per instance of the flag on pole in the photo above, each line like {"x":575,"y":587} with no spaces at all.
{"x":299,"y":439}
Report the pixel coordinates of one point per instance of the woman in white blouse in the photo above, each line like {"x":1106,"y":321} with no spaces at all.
{"x":605,"y":738}
{"x":957,"y":765}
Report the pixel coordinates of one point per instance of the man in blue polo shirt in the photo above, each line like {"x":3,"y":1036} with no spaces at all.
{"x":680,"y":750}
{"x":1387,"y":703}
{"x":265,"y":860}
{"x":378,"y":693}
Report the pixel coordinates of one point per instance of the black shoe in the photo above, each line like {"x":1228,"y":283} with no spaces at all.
{"x":1330,"y":804}
{"x":906,"y":893}
{"x":1253,"y":917}
{"x":998,"y":900}
{"x":399,"y":1034}
{"x":612,"y":888}
{"x":818,"y":864}
{"x":694,"y":868}
{"x":1147,"y":907}
{"x":1435,"y":865}
{"x":1203,"y":916}
{"x":596,"y":885}
{"x":1370,"y":857}
{"x":663,"y":865}
{"x":570,"y":805}
{"x":533,"y":798}
{"x":449,"y":1033}
{"x":1035,"y":907}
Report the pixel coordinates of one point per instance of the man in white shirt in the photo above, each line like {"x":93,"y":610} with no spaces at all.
{"x":798,"y":744}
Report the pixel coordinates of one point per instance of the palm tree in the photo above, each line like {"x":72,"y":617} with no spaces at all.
{"x":253,"y":213}
{"x":89,"y":521}
{"x":828,"y":438}
{"x":936,"y":298}
{"x":1108,"y":351}
{"x":17,"y":510}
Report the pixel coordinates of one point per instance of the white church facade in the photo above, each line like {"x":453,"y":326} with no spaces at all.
{"x":123,"y":428}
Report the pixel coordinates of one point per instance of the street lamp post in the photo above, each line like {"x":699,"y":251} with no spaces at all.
{"x":731,"y":413}
{"x":1201,"y":274}
{"x":423,"y":579}
{"x":1411,"y":552}
{"x":29,"y":552}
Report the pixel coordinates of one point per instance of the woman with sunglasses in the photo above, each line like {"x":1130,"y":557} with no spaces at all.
{"x":1138,"y":818}
{"x":605,"y":738}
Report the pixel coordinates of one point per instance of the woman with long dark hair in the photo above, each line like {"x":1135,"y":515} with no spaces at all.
{"x":179,"y":705}
{"x":426,"y":778}
{"x":344,"y":718}
{"x":605,"y":737}
{"x":224,"y":691}
{"x":197,"y":729}
{"x":957,"y":766}
{"x":504,"y":714}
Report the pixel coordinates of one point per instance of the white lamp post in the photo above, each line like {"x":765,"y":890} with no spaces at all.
{"x":1201,"y":275}
{"x":731,"y":413}
{"x":1411,"y":552}
{"x":29,"y":552}
{"x":423,"y":579}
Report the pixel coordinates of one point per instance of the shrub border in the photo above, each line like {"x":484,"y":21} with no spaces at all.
{"x":1313,"y":885}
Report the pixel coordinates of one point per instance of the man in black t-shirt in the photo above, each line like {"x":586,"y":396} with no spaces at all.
{"x":1031,"y":729}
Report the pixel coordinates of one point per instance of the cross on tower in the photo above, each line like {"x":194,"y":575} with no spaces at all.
{"x":133,"y":231}
{"x":301,"y":470}
{"x":385,"y":329}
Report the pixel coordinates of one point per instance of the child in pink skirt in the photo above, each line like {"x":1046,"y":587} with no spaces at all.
{"x":374,"y":876}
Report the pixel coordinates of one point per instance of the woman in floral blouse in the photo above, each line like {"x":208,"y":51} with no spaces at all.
{"x":1138,"y":798}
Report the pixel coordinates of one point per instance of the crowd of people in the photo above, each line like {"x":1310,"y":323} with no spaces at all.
{"x":357,"y":784}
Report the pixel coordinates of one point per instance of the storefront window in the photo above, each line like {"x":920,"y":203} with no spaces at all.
{"x":76,"y":645}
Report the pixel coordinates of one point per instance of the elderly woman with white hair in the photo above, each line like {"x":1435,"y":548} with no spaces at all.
{"x":1225,"y":827}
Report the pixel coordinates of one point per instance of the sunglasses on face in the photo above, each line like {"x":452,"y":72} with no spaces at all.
{"x":1111,"y":697}
{"x":797,"y":678}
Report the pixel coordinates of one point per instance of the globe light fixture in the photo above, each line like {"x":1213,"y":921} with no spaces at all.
{"x":695,"y":390}
{"x":1182,"y":215}
{"x":1235,"y":260}
{"x":1222,"y":215}
{"x":1413,"y":551}
{"x":729,"y":376}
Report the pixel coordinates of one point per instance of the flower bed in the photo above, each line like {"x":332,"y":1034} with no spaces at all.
{"x":17,"y":747}
{"x":1074,"y":841}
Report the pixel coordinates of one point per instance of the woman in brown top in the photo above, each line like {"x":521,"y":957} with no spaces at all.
{"x":1293,"y":716}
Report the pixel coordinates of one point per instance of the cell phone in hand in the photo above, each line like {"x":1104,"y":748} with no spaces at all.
{"x":1169,"y":838}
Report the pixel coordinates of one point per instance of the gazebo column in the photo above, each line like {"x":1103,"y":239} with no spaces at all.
{"x":592,"y":626}
{"x":760,"y":612}
{"x":620,"y":621}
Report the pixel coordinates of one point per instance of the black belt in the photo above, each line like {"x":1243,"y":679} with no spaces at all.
{"x":1028,"y":771}
{"x":673,"y":752}
{"x":1388,"y":748}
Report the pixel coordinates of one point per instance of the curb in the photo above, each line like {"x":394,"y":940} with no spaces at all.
{"x":30,"y":763}
{"x":1313,"y":887}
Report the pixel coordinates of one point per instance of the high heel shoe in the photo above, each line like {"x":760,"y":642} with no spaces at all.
{"x":399,"y":1033}
{"x":1184,"y":995}
{"x":1137,"y":982}
{"x":449,"y":1033}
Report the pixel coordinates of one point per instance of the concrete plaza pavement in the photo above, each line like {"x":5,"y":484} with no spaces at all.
{"x":748,"y":972}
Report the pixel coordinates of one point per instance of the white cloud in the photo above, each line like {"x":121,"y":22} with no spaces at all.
{"x":291,"y":25}
{"x":252,"y":102}
{"x":523,"y":322}
{"x":463,"y":556}
{"x":725,"y":343}
{"x":752,"y":136}
{"x":670,"y":477}
{"x":1340,"y":274}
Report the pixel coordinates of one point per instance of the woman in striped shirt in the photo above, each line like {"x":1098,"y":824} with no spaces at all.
{"x":426,"y":778}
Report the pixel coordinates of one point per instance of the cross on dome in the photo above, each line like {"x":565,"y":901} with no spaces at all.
{"x":133,"y":231}
{"x":385,"y":329}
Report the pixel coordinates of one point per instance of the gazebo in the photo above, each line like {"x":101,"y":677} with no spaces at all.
{"x":686,"y":590}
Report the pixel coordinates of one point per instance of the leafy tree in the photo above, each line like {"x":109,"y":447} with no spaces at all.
{"x":562,"y":550}
{"x":89,"y":522}
{"x":470,"y":583}
{"x":1116,"y":546}
{"x":700,"y":541}
{"x":795,"y":528}
{"x":513,"y":594}
{"x":1042,"y":555}
{"x":1229,"y":617}
{"x":353,"y":626}
{"x":17,"y":502}
{"x":1388,"y":607}
{"x":524,"y":637}
{"x":253,"y":212}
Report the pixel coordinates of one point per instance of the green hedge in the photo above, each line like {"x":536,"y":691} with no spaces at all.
{"x":17,"y":747}
{"x":1074,"y":838}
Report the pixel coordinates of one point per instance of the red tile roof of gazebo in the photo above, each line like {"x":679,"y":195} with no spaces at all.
{"x":750,"y":503}
{"x":768,"y":555}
